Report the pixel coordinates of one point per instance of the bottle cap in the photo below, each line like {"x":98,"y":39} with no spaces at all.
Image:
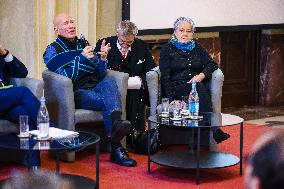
{"x":42,"y":99}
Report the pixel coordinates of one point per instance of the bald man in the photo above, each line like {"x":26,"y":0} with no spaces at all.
{"x":75,"y":58}
{"x":265,"y":169}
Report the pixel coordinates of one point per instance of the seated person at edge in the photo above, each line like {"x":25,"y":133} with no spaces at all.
{"x":131,"y":55}
{"x":265,"y":164}
{"x":75,"y":59}
{"x":183,"y":61}
{"x":16,"y":101}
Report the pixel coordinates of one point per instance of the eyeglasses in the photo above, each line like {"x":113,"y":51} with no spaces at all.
{"x":124,"y":40}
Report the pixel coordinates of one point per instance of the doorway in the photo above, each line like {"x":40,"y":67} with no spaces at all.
{"x":240,"y":52}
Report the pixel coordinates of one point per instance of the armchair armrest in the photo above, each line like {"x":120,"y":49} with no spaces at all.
{"x":59,"y":99}
{"x":152,"y":78}
{"x":216,"y":85}
{"x":121,"y":80}
{"x":35,"y":85}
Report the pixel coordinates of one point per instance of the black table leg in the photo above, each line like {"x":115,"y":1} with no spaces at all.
{"x":197,"y":156}
{"x":148,"y":142}
{"x":97,"y":165}
{"x":192,"y":143}
{"x":57,"y":163}
{"x":30,"y":159}
{"x":241,"y":149}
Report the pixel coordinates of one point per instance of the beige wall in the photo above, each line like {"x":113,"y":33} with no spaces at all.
{"x":108,"y":16}
{"x":17,"y":30}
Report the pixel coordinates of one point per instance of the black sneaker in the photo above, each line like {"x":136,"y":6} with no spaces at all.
{"x":119,"y":156}
{"x":219,"y":136}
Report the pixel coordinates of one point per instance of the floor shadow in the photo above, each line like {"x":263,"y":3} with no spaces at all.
{"x":274,"y":123}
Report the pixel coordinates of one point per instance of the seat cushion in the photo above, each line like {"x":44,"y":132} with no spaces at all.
{"x":84,"y":116}
{"x":8,"y":127}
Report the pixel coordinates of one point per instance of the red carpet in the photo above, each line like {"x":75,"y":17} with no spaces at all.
{"x":114,"y":176}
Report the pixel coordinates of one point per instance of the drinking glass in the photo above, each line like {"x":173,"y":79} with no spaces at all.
{"x":177,"y":110}
{"x":184,"y":105}
{"x":24,"y":125}
{"x":24,"y":143}
{"x":165,"y":107}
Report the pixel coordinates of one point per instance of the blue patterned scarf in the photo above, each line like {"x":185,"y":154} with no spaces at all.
{"x":188,"y":46}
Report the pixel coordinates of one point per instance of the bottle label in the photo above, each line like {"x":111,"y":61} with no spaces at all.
{"x":194,"y":108}
{"x":43,"y":130}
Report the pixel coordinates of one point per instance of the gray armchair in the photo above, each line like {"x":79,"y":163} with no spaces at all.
{"x":59,"y":95}
{"x":36,"y":87}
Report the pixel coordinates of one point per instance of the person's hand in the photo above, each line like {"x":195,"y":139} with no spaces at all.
{"x":197,"y":78}
{"x":104,"y":50}
{"x":2,"y":51}
{"x":88,"y":52}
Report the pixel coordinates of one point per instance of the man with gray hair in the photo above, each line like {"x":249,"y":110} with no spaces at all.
{"x":131,"y":55}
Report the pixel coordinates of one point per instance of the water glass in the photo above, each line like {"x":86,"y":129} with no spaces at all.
{"x":165,"y":107}
{"x":24,"y":143}
{"x":176,"y":113}
{"x":175,"y":107}
{"x":165,"y":121}
{"x":24,"y":125}
{"x":184,"y":106}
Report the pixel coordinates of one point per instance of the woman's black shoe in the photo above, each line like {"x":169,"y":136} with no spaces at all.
{"x":219,"y":136}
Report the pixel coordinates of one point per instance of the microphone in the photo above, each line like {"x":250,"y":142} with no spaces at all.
{"x":85,"y":43}
{"x":83,"y":40}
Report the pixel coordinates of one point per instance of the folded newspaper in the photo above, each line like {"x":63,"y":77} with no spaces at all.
{"x":56,"y":133}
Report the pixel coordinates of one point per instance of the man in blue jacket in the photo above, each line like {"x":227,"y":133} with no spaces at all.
{"x":75,"y":58}
{"x":16,"y":101}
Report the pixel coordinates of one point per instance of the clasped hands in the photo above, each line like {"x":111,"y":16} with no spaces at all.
{"x":88,"y":51}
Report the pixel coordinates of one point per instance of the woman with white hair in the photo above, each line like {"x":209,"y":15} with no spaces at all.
{"x":183,"y":61}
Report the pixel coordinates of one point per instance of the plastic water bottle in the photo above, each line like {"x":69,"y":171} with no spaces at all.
{"x":43,"y":120}
{"x":193,"y":101}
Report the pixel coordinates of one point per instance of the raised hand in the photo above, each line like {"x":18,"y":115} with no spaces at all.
{"x":104,"y":50}
{"x":88,"y":52}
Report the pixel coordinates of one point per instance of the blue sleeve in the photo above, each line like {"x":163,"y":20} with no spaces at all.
{"x":101,"y":67}
{"x":71,"y":64}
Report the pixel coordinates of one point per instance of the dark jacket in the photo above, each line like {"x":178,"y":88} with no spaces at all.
{"x":138,"y":61}
{"x":178,"y":67}
{"x":11,"y":69}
